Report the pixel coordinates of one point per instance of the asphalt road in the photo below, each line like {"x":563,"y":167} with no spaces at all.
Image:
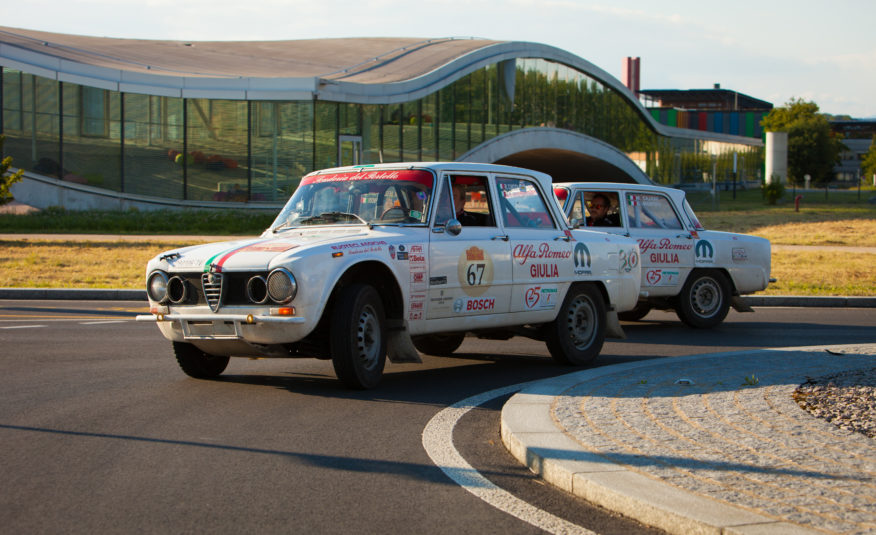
{"x":100,"y":430}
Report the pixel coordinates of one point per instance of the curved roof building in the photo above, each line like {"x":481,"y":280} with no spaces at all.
{"x":174,"y":121}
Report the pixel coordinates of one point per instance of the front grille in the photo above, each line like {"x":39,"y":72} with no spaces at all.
{"x":213,"y":284}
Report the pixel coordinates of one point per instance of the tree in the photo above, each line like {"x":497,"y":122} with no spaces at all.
{"x":7,"y":179}
{"x":868,"y":166}
{"x":813,"y":149}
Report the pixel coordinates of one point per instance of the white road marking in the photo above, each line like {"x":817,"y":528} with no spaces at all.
{"x":103,"y":322}
{"x":438,"y":442}
{"x":22,"y":327}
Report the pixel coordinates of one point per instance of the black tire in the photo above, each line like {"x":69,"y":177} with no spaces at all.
{"x":358,"y":338}
{"x":195,"y":363}
{"x":640,"y":311}
{"x":439,"y":344}
{"x":576,"y":336}
{"x":705,"y":299}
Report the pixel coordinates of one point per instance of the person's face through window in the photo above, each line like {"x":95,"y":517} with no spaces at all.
{"x":598,"y":207}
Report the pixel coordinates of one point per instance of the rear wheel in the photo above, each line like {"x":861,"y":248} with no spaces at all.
{"x":439,"y":344}
{"x":705,"y":299}
{"x":195,"y":363}
{"x":577,"y":335}
{"x":358,"y":338}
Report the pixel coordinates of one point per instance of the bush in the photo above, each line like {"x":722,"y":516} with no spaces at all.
{"x":773,"y":191}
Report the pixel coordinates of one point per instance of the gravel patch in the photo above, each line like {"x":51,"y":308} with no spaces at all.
{"x":846,"y":399}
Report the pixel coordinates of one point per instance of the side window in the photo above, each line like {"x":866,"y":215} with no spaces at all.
{"x":577,"y":211}
{"x":651,"y":211}
{"x":444,"y":210}
{"x":471,"y":201}
{"x":522,"y":205}
{"x":602,"y":209}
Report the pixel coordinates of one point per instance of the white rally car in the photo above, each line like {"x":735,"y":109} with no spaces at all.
{"x":367,"y":262}
{"x":699,"y":273}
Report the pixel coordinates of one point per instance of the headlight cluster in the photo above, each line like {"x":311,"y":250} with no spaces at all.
{"x":279,"y":286}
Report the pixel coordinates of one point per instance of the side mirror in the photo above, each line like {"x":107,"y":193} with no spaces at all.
{"x":453,"y":227}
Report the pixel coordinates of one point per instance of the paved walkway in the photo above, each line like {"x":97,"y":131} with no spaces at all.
{"x":702,"y":444}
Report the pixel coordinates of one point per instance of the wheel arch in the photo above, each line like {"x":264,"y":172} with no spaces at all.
{"x":382,"y":278}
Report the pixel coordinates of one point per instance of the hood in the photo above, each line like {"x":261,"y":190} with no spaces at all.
{"x":255,"y":254}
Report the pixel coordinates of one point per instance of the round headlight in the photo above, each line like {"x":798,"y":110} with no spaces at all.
{"x":177,"y":289}
{"x":282,"y":286}
{"x":257,"y":289}
{"x":156,"y":286}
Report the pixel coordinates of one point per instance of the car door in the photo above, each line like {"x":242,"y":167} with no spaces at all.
{"x":541,"y":250}
{"x":666,"y":247}
{"x":469,"y":273}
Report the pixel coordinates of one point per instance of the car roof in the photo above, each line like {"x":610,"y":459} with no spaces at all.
{"x":676,"y":194}
{"x":464,"y":167}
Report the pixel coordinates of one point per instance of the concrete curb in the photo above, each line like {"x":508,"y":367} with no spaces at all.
{"x":100,"y":294}
{"x":84,"y":294}
{"x":534,"y":437}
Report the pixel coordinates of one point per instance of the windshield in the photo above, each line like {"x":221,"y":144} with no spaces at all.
{"x":693,"y":218}
{"x":359,"y":197}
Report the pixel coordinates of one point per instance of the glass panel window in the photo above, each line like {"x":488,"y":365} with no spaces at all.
{"x":522,"y":205}
{"x":651,"y":211}
{"x":94,"y":112}
{"x":471,"y":201}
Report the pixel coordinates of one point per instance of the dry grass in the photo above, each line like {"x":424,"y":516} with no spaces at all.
{"x":822,"y":273}
{"x":857,"y":232}
{"x":28,"y":263}
{"x":70,"y":264}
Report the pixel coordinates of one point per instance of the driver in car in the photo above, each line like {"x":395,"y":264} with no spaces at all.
{"x":466,"y":218}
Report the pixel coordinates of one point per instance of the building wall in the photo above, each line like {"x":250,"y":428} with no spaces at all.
{"x":256,"y":151}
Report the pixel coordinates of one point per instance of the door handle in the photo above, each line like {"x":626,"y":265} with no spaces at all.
{"x":564,"y":238}
{"x":501,"y":237}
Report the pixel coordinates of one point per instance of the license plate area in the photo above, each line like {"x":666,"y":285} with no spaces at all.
{"x":211,"y":330}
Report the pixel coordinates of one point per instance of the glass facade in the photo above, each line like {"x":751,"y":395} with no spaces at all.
{"x":256,"y":151}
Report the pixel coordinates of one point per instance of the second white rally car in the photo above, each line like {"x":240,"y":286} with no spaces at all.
{"x":697,"y":272}
{"x":369,"y":262}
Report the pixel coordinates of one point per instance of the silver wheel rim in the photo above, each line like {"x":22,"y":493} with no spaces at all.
{"x":580,"y":322}
{"x":368,"y":338}
{"x":705,"y":297}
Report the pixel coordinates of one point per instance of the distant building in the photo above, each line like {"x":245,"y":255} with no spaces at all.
{"x":711,"y":110}
{"x":147,"y":122}
{"x":857,"y":136}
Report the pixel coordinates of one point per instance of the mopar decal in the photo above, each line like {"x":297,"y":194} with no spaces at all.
{"x":705,"y":252}
{"x":582,"y":259}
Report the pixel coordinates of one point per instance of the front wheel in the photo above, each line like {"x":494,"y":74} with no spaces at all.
{"x":195,"y":363}
{"x":358,"y":338}
{"x":705,"y":299}
{"x":576,"y":336}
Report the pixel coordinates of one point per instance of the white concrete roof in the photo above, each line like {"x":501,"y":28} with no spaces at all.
{"x":367,"y":70}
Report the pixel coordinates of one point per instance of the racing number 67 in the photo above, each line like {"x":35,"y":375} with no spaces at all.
{"x":475,"y":274}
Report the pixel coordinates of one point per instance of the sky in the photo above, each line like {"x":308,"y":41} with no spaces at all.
{"x":773,"y":50}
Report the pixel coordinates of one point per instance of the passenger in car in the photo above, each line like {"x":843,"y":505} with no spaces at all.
{"x":466,"y":218}
{"x":599,"y":207}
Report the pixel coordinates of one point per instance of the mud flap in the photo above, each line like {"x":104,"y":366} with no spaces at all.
{"x":399,"y":347}
{"x":739,"y":304}
{"x":613,"y":327}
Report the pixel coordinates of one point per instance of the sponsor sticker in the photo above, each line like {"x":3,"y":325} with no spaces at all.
{"x":474,"y":305}
{"x":704,"y":252}
{"x":540,"y":297}
{"x":475,"y":271}
{"x":740,"y":254}
{"x":581,"y":258}
{"x":661,"y":277}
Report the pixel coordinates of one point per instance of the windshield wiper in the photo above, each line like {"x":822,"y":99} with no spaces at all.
{"x":332,"y":217}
